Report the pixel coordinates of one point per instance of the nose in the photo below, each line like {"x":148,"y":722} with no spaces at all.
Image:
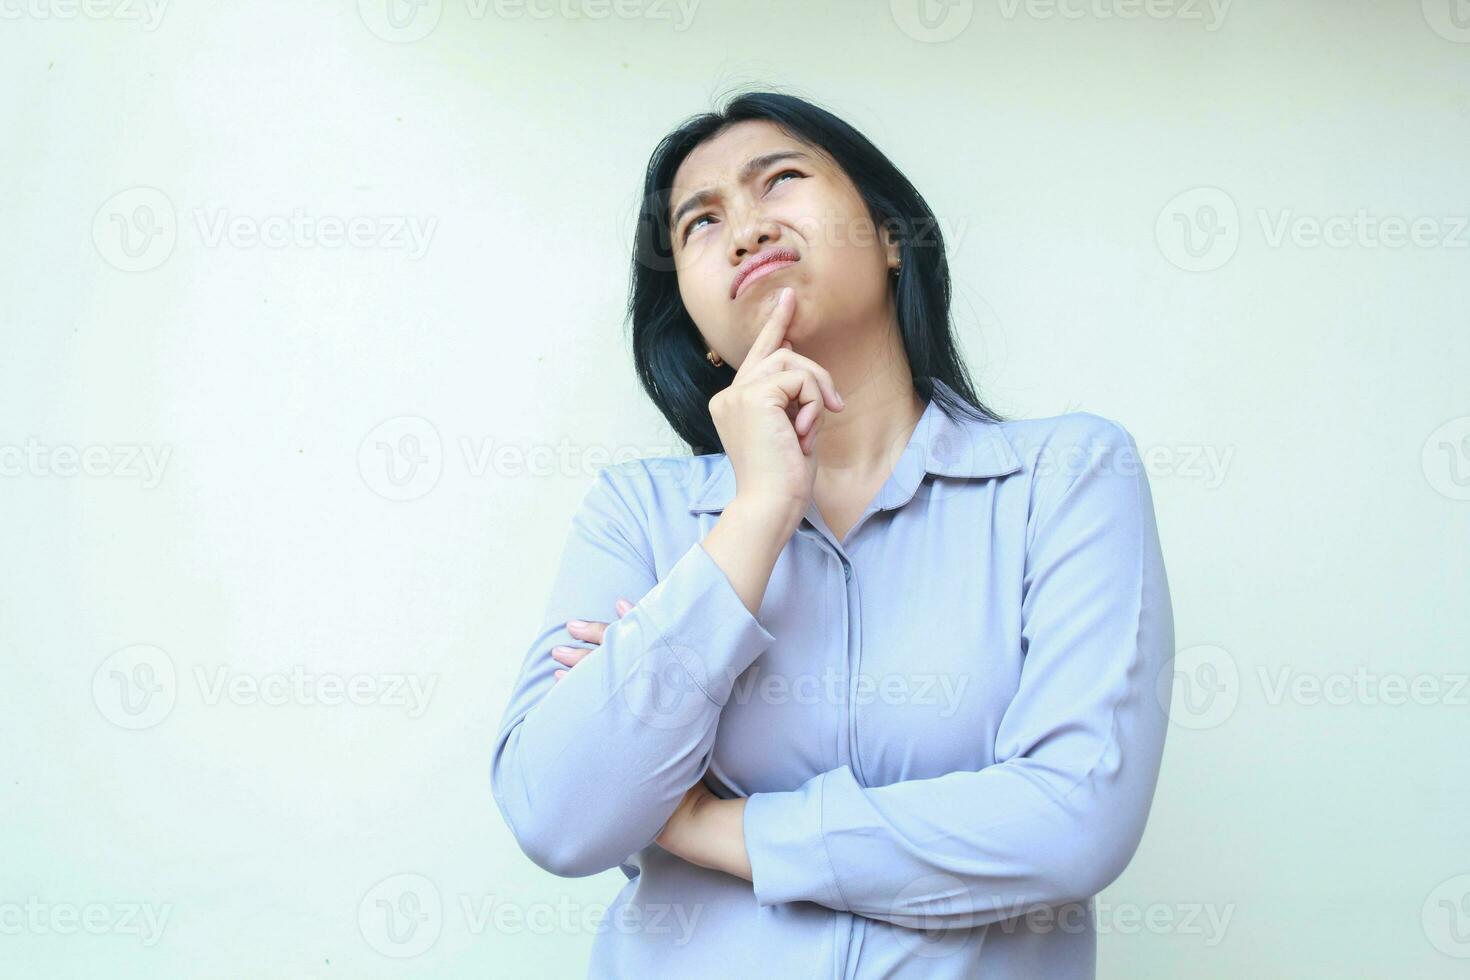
{"x":752,"y":234}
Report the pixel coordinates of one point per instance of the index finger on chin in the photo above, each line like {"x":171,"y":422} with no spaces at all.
{"x":774,"y":329}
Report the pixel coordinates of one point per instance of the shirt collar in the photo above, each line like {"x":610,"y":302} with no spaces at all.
{"x":939,"y":445}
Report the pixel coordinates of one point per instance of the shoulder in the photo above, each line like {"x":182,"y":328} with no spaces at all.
{"x":653,"y":485}
{"x":1060,"y":452}
{"x":1068,"y":432}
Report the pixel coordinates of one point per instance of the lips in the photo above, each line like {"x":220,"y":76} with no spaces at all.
{"x":761,"y":264}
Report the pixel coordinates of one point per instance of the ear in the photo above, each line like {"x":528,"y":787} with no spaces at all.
{"x":890,"y":244}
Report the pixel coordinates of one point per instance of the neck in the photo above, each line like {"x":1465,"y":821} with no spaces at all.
{"x":882,"y":408}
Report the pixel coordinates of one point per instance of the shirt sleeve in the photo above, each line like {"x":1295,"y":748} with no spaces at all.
{"x":587,"y":770}
{"x":1062,"y":810}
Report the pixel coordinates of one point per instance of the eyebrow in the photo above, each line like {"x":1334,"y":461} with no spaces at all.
{"x":752,"y":167}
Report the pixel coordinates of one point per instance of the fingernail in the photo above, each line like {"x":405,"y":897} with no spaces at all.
{"x":577,"y":624}
{"x":561,"y":649}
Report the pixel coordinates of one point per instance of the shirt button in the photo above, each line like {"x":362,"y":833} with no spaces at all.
{"x":847,"y":571}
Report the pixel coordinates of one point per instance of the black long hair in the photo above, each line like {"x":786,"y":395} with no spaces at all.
{"x":667,"y":348}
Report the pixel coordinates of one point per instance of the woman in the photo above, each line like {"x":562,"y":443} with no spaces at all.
{"x":866,"y":686}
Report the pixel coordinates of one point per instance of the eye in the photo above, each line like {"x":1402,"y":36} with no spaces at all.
{"x":689,"y":228}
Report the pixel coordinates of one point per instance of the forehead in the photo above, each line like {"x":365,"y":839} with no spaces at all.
{"x":716,"y":160}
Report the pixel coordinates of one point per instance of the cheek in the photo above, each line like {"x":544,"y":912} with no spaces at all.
{"x":840,"y":277}
{"x":694,"y":287}
{"x":841,"y":288}
{"x":843,"y":241}
{"x":705,"y":296}
{"x":701,"y":304}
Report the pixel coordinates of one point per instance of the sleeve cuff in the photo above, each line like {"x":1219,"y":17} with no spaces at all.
{"x":788,"y":855}
{"x":703,"y":622}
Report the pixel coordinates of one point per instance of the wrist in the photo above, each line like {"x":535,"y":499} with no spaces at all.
{"x":719,"y":830}
{"x":776,"y":516}
{"x":732,"y":832}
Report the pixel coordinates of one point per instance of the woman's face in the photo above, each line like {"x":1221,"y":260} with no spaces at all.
{"x":795,"y":202}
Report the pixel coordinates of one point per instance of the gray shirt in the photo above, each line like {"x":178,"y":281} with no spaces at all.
{"x":948,"y":725}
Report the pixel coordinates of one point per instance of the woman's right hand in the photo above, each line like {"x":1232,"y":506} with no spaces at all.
{"x":769,"y":415}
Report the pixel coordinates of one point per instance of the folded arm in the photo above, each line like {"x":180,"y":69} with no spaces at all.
{"x":587,"y":770}
{"x":1060,"y":814}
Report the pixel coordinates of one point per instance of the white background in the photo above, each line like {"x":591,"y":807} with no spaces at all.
{"x":1305,"y":403}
